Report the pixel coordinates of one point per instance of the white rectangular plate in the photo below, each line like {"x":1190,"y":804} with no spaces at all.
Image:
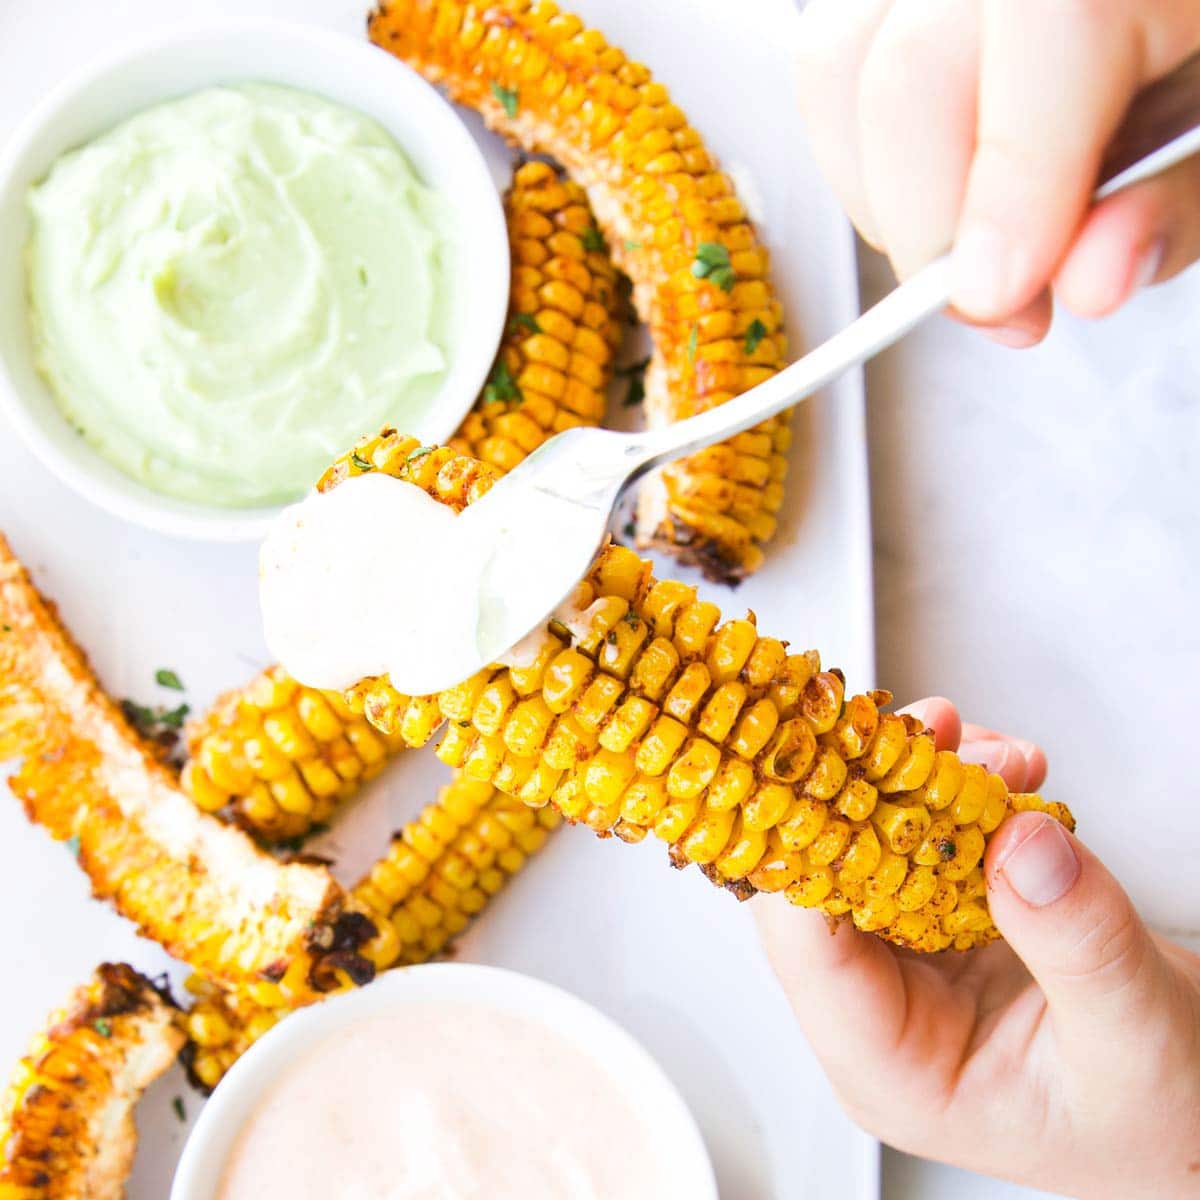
{"x":667,"y":955}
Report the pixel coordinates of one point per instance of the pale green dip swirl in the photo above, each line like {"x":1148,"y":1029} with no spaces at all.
{"x":228,"y":289}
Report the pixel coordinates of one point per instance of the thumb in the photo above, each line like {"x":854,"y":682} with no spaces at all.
{"x":1072,"y":925}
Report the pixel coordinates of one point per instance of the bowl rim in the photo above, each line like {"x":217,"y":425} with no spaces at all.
{"x":101,"y":482}
{"x":608,"y":1043}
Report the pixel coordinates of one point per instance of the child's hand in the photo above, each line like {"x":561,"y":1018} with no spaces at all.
{"x":1068,"y":1059}
{"x":983,"y":123}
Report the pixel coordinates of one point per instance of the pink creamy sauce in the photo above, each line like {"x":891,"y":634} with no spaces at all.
{"x":445,"y":1102}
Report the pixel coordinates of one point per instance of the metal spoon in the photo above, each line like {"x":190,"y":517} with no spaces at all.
{"x":561,"y":498}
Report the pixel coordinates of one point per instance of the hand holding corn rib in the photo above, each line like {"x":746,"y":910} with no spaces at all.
{"x":199,"y":888}
{"x":280,"y":758}
{"x":650,"y":715}
{"x":673,"y":223}
{"x":438,"y":874}
{"x":66,"y":1123}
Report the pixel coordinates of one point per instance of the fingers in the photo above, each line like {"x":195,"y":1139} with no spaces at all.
{"x":1074,"y":927}
{"x":1055,"y":80}
{"x":1133,"y":239}
{"x":833,"y":42}
{"x":1021,"y":763}
{"x":916,"y":138}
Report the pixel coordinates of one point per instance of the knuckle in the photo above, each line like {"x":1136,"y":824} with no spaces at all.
{"x":1113,"y":950}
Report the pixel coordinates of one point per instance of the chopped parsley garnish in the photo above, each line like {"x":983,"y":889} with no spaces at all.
{"x":525,"y":321}
{"x":508,"y":98}
{"x":167,"y":678}
{"x":419,"y":452}
{"x":946,"y":849}
{"x":72,"y":844}
{"x":628,"y":529}
{"x":755,"y":333}
{"x":630,"y":245}
{"x":501,"y":385}
{"x":180,"y":1111}
{"x":692,"y":340}
{"x":712,"y":263}
{"x":361,"y":463}
{"x":592,"y":239}
{"x":152,"y":721}
{"x":102,"y":1027}
{"x":636,"y":374}
{"x":632,"y":619}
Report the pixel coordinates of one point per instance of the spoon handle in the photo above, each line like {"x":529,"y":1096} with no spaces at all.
{"x":1169,"y":109}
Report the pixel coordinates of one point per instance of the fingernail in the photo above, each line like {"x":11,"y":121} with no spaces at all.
{"x":1010,"y":335}
{"x":980,"y":270}
{"x":1148,"y":266}
{"x":1043,"y":867}
{"x":994,"y":756}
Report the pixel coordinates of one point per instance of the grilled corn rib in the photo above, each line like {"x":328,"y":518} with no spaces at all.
{"x":66,"y":1122}
{"x":645,"y":713}
{"x":438,"y":874}
{"x":673,"y":223}
{"x":279,"y":758}
{"x":199,"y":888}
{"x":555,"y":361}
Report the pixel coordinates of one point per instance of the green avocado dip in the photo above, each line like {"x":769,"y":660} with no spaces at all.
{"x":228,"y":289}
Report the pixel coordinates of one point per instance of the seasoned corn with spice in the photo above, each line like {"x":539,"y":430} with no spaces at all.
{"x":202,"y":890}
{"x":66,"y":1119}
{"x":746,"y":759}
{"x":673,"y":223}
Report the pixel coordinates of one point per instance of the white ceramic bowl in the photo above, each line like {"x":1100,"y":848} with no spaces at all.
{"x":343,"y":69}
{"x":652,"y":1095}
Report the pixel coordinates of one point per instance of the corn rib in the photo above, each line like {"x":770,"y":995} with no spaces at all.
{"x":199,"y":888}
{"x":673,"y":223}
{"x":66,"y":1122}
{"x":437,"y":876}
{"x":278,"y":758}
{"x":649,"y":715}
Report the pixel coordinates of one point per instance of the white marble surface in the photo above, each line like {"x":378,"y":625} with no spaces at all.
{"x":1037,"y":559}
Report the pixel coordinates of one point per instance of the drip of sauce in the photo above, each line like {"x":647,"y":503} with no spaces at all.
{"x":375,"y":577}
{"x":447,"y":1102}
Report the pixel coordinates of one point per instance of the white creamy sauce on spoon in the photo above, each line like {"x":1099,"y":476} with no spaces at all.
{"x":376,"y":577}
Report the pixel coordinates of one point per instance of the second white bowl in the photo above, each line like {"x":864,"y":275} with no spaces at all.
{"x":343,"y":69}
{"x":653,"y":1097}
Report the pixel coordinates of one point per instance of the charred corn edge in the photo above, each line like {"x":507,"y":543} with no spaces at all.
{"x":199,"y":888}
{"x":659,"y":198}
{"x":747,"y":760}
{"x":560,"y":360}
{"x":453,"y":844}
{"x":66,"y":1120}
